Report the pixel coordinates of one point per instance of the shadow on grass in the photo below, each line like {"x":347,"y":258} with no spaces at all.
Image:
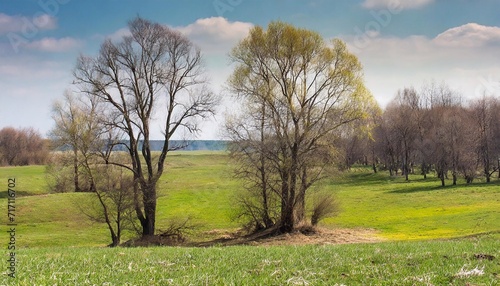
{"x":5,"y":194}
{"x":438,"y":187}
{"x":417,"y":189}
{"x":363,"y":178}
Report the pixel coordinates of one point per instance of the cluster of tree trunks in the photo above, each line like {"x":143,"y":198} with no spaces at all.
{"x":433,"y":129}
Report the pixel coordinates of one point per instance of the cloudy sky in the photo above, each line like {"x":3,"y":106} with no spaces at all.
{"x":399,"y":42}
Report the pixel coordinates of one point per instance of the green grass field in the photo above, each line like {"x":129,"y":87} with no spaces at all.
{"x":60,"y":246}
{"x":471,"y":261}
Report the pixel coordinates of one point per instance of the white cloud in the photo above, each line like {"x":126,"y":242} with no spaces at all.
{"x":20,"y":24}
{"x":216,"y":34}
{"x":54,"y":45}
{"x":119,"y":34}
{"x":396,"y":4}
{"x":465,"y":57}
{"x":469,"y":35}
{"x":213,"y":35}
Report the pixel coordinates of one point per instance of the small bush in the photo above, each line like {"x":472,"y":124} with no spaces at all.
{"x":324,"y":206}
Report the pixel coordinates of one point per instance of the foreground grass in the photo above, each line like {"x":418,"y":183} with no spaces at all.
{"x":472,"y":261}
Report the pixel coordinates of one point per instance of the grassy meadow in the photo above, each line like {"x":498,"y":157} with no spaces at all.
{"x":455,"y":262}
{"x":432,"y":235}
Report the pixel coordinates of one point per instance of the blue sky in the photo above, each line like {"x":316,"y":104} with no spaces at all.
{"x":399,"y":42}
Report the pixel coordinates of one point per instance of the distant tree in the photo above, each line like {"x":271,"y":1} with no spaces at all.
{"x":153,"y":72}
{"x":402,"y":123}
{"x":445,"y":130}
{"x":20,"y":147}
{"x":435,"y":128}
{"x":83,"y":138}
{"x":351,"y":147}
{"x":486,"y":120}
{"x":306,"y":90}
{"x":8,"y":145}
{"x":386,"y":145}
{"x":355,"y":143}
{"x":78,"y":131}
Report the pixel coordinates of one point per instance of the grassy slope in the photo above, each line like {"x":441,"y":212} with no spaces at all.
{"x":199,"y":185}
{"x":419,"y":209}
{"x":30,"y":180}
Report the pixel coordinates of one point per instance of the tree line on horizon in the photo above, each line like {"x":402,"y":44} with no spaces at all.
{"x":432,"y":130}
{"x":22,"y":146}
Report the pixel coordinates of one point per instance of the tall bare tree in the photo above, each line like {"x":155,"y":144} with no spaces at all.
{"x":308,"y":89}
{"x":153,"y":72}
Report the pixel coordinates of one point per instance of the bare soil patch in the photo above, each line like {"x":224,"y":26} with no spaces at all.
{"x":317,"y":236}
{"x":304,"y":236}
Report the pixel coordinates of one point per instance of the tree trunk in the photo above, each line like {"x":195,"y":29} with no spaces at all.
{"x":293,"y":198}
{"x":284,"y":218}
{"x":498,"y":168}
{"x":265,"y":205}
{"x":75,"y":170}
{"x":148,"y":224}
{"x":406,"y":167}
{"x":300,"y":207}
{"x":286,"y":223}
{"x":442,"y":177}
{"x":268,"y":222}
{"x":115,"y":237}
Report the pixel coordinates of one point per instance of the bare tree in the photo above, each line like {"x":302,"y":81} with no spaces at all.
{"x":386,"y":145}
{"x":434,"y":128}
{"x":113,"y":203}
{"x":20,"y":147}
{"x":253,"y":150}
{"x":355,"y":141}
{"x":487,"y":122}
{"x":444,"y":129}
{"x":402,"y":114}
{"x":77,"y":130}
{"x":154,"y":71}
{"x":308,"y":89}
